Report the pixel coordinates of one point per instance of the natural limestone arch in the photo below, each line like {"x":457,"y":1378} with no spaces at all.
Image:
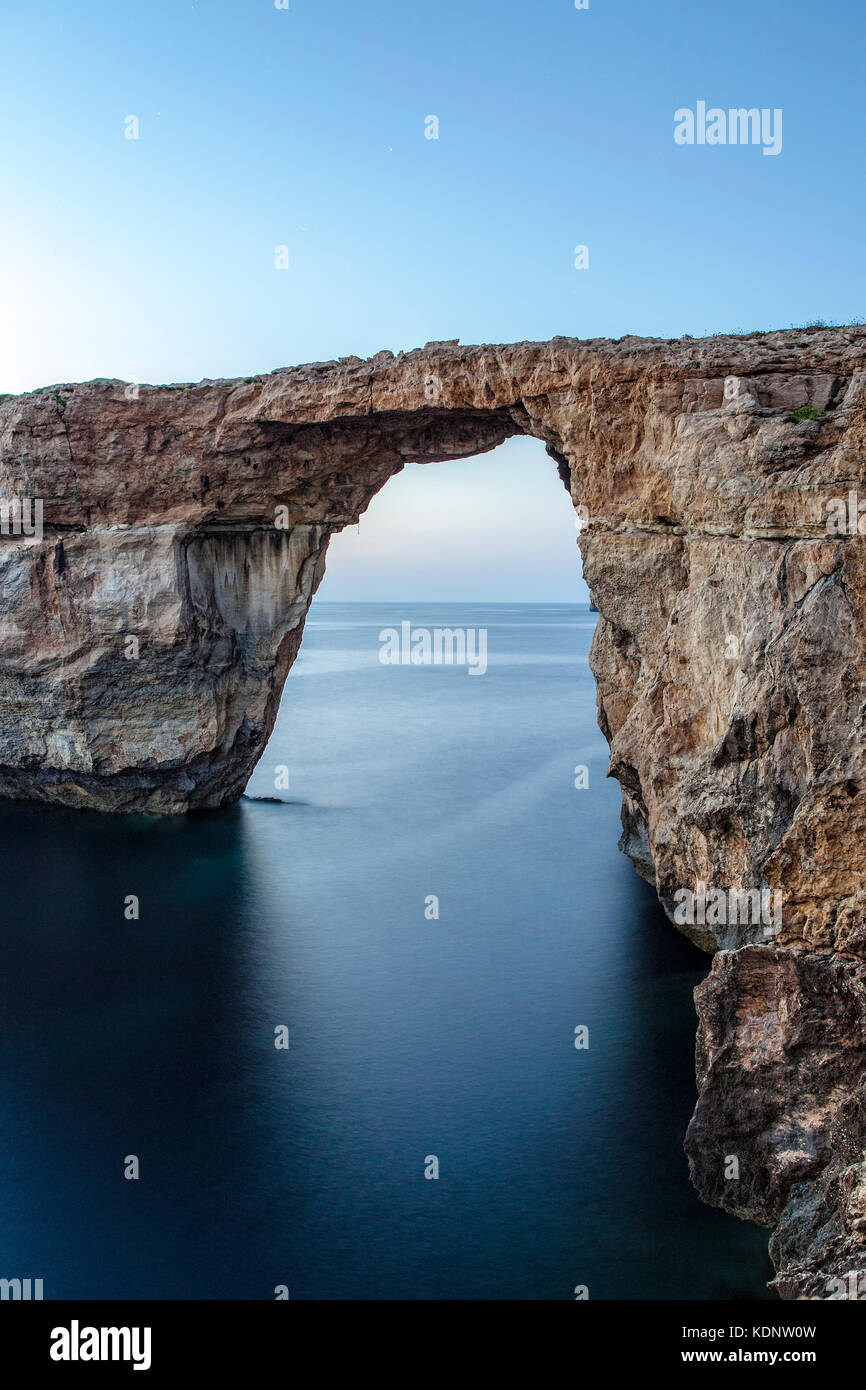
{"x":145,"y":637}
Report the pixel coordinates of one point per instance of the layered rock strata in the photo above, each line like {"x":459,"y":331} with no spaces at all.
{"x":148,"y":623}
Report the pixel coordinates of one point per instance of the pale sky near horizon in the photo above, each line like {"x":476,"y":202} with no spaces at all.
{"x":154,"y":259}
{"x":495,"y":528}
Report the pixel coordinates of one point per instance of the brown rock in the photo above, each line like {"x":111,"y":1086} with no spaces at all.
{"x":729,"y":655}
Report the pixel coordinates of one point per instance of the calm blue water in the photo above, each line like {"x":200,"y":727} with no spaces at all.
{"x":409,"y":1037}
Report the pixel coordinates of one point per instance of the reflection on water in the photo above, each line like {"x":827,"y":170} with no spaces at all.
{"x":409,"y":1036}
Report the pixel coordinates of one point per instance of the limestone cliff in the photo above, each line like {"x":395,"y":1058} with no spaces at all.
{"x":146,"y":635}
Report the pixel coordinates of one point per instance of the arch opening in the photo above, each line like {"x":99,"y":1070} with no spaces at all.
{"x":451,"y":869}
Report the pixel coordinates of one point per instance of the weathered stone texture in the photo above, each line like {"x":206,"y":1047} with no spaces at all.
{"x":729,"y":655}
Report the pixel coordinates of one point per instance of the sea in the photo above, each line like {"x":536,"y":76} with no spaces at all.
{"x":403,"y":1024}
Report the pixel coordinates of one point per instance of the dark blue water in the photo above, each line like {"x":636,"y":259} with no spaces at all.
{"x":408,"y":1037}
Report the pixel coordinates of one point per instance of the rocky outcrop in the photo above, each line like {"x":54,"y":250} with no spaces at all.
{"x":145,"y":636}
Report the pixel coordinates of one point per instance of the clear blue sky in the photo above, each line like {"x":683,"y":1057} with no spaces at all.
{"x":154,"y":258}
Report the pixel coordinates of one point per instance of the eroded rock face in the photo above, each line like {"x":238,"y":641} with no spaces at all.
{"x":142,"y":669}
{"x":783,"y":1040}
{"x":145,"y":639}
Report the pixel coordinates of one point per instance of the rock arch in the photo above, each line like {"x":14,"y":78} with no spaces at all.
{"x":147,"y":633}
